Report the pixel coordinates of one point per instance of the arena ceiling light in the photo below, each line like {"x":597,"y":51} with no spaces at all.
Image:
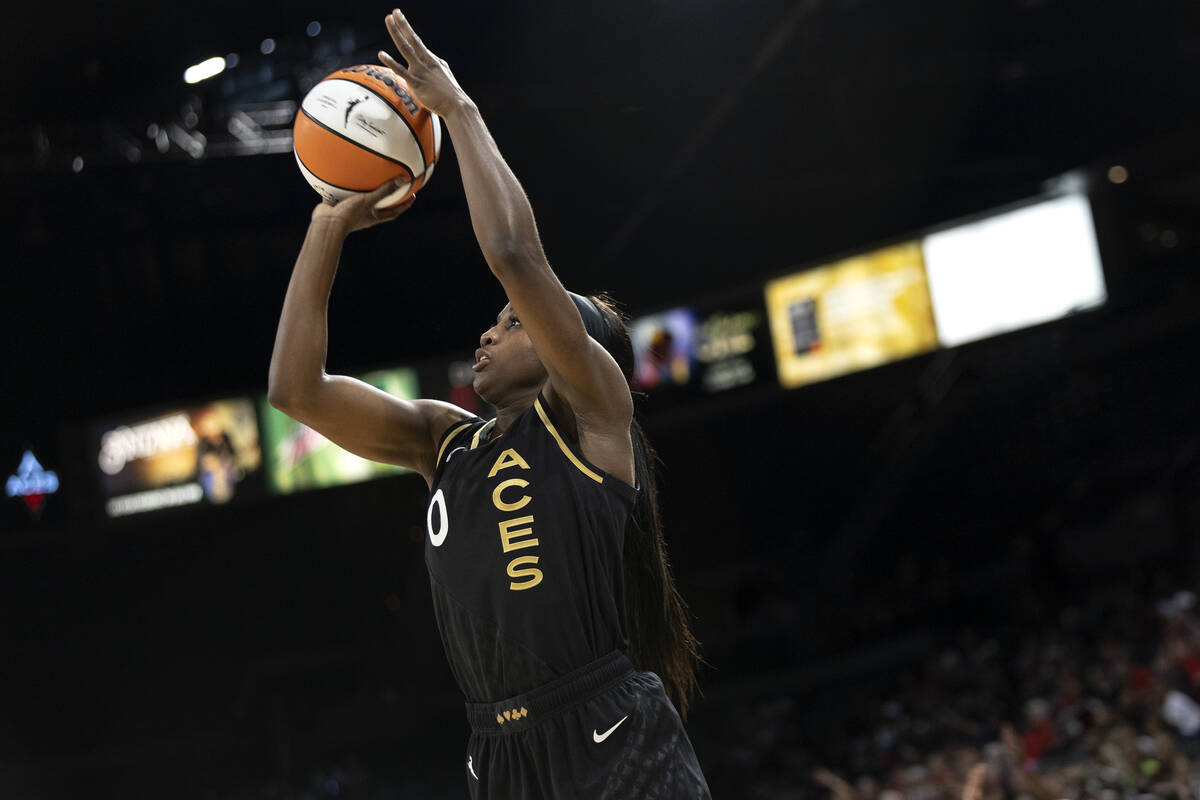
{"x":205,"y":69}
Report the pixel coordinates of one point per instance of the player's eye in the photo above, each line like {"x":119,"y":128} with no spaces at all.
{"x":512,"y":321}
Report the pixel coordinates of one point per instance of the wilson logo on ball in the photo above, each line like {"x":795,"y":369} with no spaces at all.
{"x":390,"y":80}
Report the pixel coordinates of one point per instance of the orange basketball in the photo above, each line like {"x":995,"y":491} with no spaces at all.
{"x":360,"y":127}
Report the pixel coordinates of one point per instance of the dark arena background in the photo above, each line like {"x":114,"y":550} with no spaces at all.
{"x":916,"y":291}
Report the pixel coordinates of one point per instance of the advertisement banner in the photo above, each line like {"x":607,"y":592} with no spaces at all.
{"x":704,"y":349}
{"x":299,"y":458}
{"x":664,"y":349}
{"x":856,"y":313}
{"x":1015,"y":269}
{"x":733,"y":345}
{"x":207,"y":453}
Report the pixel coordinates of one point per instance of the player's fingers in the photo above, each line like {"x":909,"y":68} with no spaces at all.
{"x":394,"y":65}
{"x":383,"y":190}
{"x":404,"y":43}
{"x":406,"y":30}
{"x":390,"y":213}
{"x":405,"y":206}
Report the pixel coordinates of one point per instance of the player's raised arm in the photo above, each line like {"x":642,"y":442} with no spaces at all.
{"x":579,"y":368}
{"x":355,"y":415}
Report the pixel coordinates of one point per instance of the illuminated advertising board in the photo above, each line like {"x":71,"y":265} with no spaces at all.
{"x":205,"y":453}
{"x":664,"y":349}
{"x":299,"y":458}
{"x":1015,"y":269}
{"x":706,"y":348}
{"x":733,"y":346}
{"x":850,"y":315}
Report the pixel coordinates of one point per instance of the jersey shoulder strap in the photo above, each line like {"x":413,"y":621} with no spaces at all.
{"x":569,"y":449}
{"x":542,"y":408}
{"x":451,"y":433}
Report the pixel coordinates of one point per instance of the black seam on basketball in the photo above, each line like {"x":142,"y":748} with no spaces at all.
{"x":411,"y":178}
{"x":322,"y":180}
{"x":405,"y":167}
{"x":399,"y":113}
{"x":359,"y":145}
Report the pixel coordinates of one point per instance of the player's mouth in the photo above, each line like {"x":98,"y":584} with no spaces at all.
{"x":482,"y":359}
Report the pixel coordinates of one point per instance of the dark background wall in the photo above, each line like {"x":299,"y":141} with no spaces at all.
{"x":670,"y":152}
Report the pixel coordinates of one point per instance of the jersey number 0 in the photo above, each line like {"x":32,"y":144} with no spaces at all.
{"x":515,"y":533}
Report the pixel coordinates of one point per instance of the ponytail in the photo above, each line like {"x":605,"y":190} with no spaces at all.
{"x":656,"y":618}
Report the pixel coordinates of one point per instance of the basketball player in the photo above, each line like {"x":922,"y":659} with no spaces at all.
{"x":550,"y":582}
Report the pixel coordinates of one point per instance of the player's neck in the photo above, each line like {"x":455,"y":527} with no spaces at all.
{"x":508,"y":410}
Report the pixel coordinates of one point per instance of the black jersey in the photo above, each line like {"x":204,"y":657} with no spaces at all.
{"x":524,"y":550}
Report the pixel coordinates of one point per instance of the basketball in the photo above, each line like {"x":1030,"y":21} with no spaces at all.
{"x":360,"y":127}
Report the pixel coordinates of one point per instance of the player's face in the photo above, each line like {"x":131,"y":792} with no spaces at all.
{"x":506,"y":364}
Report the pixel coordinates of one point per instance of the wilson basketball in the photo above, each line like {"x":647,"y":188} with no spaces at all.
{"x":360,"y":127}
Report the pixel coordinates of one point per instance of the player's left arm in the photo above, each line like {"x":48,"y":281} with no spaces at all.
{"x":580,"y":369}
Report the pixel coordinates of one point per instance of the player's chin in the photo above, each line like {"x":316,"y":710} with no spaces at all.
{"x":481,"y":385}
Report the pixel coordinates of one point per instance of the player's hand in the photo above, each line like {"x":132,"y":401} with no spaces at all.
{"x":358,"y":211}
{"x":428,"y":76}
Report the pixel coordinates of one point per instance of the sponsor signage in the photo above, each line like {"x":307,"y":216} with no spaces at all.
{"x":703,"y":349}
{"x":299,"y":458}
{"x":1015,"y":269}
{"x":850,"y":315}
{"x":207,"y":453}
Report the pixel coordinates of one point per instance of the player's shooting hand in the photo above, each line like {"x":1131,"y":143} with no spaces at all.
{"x":358,"y":211}
{"x":428,"y":76}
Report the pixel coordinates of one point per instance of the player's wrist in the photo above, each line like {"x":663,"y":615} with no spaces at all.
{"x":462,"y":107}
{"x":327,"y":222}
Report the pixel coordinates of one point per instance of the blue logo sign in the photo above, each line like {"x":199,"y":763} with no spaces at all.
{"x":31,"y":483}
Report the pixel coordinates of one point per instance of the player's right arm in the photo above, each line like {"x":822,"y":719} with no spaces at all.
{"x":355,"y":415}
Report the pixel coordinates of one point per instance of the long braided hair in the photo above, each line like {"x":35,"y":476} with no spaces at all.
{"x":656,"y":618}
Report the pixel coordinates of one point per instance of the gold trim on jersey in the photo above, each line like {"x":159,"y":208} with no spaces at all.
{"x":537,"y":404}
{"x":485,"y":426}
{"x":446,"y":442}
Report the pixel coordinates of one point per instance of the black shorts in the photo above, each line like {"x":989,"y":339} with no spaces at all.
{"x":602,"y":731}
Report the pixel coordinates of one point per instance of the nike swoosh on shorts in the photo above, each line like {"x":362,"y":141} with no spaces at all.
{"x":600,"y":737}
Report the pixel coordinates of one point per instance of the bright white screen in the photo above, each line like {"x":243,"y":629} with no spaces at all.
{"x":1013,"y":270}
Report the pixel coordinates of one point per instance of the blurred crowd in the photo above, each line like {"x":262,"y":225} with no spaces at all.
{"x":1096,"y":701}
{"x":1099,"y":702}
